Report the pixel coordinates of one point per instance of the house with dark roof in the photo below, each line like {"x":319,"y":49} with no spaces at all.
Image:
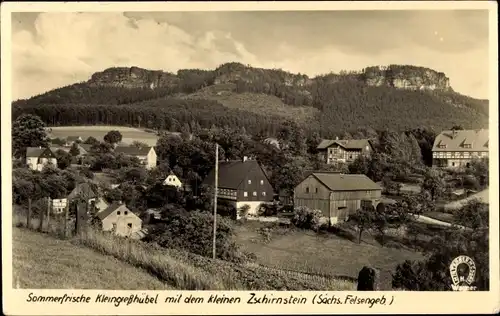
{"x":82,"y":191}
{"x":242,"y":182}
{"x":120,"y":220}
{"x":343,"y":150}
{"x":336,"y":195}
{"x":457,"y":148}
{"x":147,"y":155}
{"x":38,"y":157}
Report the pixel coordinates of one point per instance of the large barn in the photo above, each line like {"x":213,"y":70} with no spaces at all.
{"x":337,"y":195}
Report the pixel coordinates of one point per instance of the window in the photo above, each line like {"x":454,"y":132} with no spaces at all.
{"x":129,"y":225}
{"x":126,"y":212}
{"x":263,"y":193}
{"x":245,"y":194}
{"x":316,"y":190}
{"x":467,"y":146}
{"x":307,"y":190}
{"x":261,"y":182}
{"x":249,"y":181}
{"x":118,"y":213}
{"x":254,"y":193}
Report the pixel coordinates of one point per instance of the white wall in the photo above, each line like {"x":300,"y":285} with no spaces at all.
{"x":254,"y":207}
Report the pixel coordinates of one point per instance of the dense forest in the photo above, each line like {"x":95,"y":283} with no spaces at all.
{"x":345,"y":101}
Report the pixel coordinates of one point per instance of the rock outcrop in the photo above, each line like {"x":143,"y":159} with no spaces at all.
{"x":397,"y":76}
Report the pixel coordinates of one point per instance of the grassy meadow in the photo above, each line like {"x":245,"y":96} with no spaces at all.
{"x":321,"y":254}
{"x":129,"y":134}
{"x":43,"y":262}
{"x":179,"y":269}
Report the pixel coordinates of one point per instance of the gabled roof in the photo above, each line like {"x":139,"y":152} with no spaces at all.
{"x":113,"y":207}
{"x":345,"y":143}
{"x":132,"y":150}
{"x":233,"y":173}
{"x":56,"y":148}
{"x":83,"y":189}
{"x":346,"y":182}
{"x":455,"y":140}
{"x":36,"y":151}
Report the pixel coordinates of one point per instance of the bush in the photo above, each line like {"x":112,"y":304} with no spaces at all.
{"x":268,"y":210}
{"x":193,"y":232}
{"x":306,"y":218}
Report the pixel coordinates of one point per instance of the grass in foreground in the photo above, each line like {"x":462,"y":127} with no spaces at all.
{"x":43,"y":262}
{"x":322,"y":254}
{"x":187,"y":271}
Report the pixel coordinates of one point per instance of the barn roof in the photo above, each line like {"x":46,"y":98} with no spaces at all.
{"x":455,"y":140}
{"x":345,"y":143}
{"x":346,"y":182}
{"x":233,"y":173}
{"x":133,"y":151}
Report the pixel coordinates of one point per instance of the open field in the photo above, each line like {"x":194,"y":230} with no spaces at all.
{"x":254,"y":102}
{"x":43,"y":262}
{"x":129,"y":134}
{"x":321,"y":254}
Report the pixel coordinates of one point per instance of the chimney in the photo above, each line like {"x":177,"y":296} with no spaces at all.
{"x":245,"y":158}
{"x":336,"y":138}
{"x":453,"y":134}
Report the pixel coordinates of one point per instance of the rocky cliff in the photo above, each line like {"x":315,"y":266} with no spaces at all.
{"x":406,"y":77}
{"x":397,"y":76}
{"x":133,"y":77}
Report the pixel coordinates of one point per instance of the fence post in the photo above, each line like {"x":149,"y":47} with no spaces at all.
{"x":42,"y":217}
{"x":66,"y":218}
{"x":28,"y":219}
{"x":49,"y":206}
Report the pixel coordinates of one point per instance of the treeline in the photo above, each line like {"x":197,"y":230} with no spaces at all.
{"x":161,"y":114}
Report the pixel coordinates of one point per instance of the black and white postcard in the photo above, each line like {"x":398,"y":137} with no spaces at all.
{"x":232,"y":158}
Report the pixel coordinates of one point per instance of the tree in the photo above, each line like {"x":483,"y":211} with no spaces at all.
{"x":91,"y":141}
{"x":433,"y":183}
{"x":28,"y":131}
{"x":63,"y":159}
{"x":473,"y":215}
{"x":74,"y":150}
{"x":479,"y":168}
{"x":363,"y":219}
{"x":113,"y":137}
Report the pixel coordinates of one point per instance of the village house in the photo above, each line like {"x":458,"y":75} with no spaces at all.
{"x":173,"y":180}
{"x":119,"y":219}
{"x":147,"y":155}
{"x":38,"y":157}
{"x":457,"y":148}
{"x":343,"y":150}
{"x":336,"y":195}
{"x":81,"y":191}
{"x":242,"y":182}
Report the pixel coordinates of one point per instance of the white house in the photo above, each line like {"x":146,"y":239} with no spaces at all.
{"x":118,"y":218}
{"x":38,"y":157}
{"x":172,"y":180}
{"x":147,"y":155}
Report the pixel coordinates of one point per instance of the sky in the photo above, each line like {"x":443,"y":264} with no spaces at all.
{"x":54,"y":49}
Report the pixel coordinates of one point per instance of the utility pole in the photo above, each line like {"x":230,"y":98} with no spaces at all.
{"x":215,"y":197}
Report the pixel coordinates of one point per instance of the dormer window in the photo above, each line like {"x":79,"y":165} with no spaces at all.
{"x":468,"y":146}
{"x":442,"y":146}
{"x":486,"y":145}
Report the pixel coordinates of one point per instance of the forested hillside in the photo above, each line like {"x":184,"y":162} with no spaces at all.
{"x":260,"y":100}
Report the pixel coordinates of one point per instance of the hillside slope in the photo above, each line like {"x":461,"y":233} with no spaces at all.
{"x":398,"y":97}
{"x":43,"y":262}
